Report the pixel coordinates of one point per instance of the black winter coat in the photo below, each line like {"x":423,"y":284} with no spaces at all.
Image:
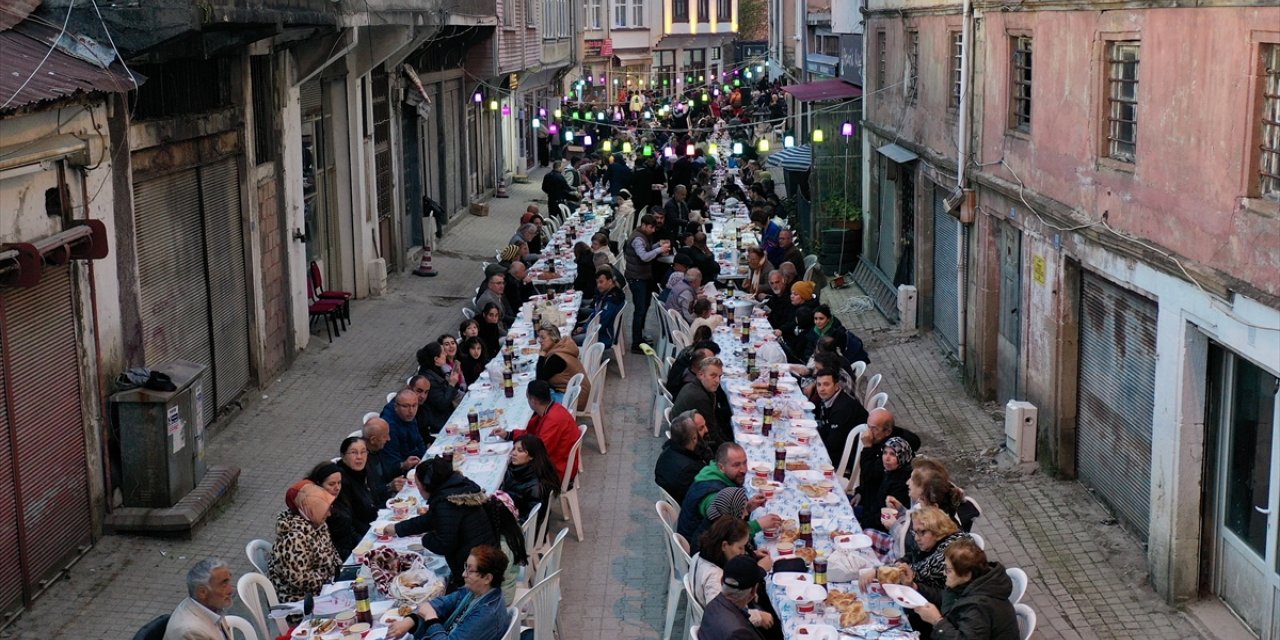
{"x":978,"y":609}
{"x":352,"y":512}
{"x":456,"y":522}
{"x":837,"y":421}
{"x":525,"y":489}
{"x":439,"y":405}
{"x":894,"y":484}
{"x":676,"y":469}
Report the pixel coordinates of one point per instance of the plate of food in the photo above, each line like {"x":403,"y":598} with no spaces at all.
{"x":802,"y":592}
{"x":851,"y":541}
{"x":904,"y":595}
{"x":852,"y":611}
{"x":817,"y":632}
{"x":787,"y":580}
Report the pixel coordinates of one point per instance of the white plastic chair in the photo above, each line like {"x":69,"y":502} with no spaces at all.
{"x":680,"y":340}
{"x":571,"y":391}
{"x":850,"y":456}
{"x":809,"y":261}
{"x":693,"y":632}
{"x":595,"y":402}
{"x":661,"y":407}
{"x":872,"y":384}
{"x":900,"y":537}
{"x":1026,"y":620}
{"x":693,"y":614}
{"x":548,"y":563}
{"x":878,"y":401}
{"x":469,"y":313}
{"x":368,"y":416}
{"x":977,"y":539}
{"x":668,"y":498}
{"x":569,"y":489}
{"x":664,"y":334}
{"x":1019,"y":579}
{"x":681,"y":550}
{"x":252,"y":588}
{"x":542,"y":604}
{"x":667,"y":514}
{"x":513,"y":627}
{"x":530,"y":530}
{"x":591,"y":356}
{"x":619,"y":340}
{"x":858,"y":369}
{"x":243,"y":627}
{"x":391,"y":396}
{"x":259,"y":554}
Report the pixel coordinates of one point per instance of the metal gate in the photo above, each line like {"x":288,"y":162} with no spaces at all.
{"x":947,"y":235}
{"x":1009,"y":340}
{"x":191,"y":269}
{"x":44,"y":485}
{"x":1116,"y":398}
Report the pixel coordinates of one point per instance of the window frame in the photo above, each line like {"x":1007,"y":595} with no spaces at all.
{"x":882,"y":62}
{"x":1115,"y":104}
{"x":956,"y":57}
{"x":1017,"y":122}
{"x":724,"y":10}
{"x":680,"y":10}
{"x":912,"y":89}
{"x":594,"y":9}
{"x":1268,"y":131}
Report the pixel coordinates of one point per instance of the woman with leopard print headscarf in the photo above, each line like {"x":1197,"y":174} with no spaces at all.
{"x":303,"y":558}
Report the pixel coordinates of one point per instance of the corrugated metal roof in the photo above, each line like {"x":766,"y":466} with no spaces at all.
{"x":60,"y":76}
{"x":14,"y":11}
{"x":833,"y":89}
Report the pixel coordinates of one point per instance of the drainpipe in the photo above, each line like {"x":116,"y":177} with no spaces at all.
{"x":966,"y":52}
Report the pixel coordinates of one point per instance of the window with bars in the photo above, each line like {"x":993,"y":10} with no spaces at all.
{"x":1122,"y":100}
{"x":1269,"y":160}
{"x":957,"y":60}
{"x":1020,"y":85}
{"x":680,"y":10}
{"x":882,"y":57}
{"x":913,"y":64}
{"x":264,"y":108}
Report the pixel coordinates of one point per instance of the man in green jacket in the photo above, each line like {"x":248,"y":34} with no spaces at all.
{"x":729,"y":469}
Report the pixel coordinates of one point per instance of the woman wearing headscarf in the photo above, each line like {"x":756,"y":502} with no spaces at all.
{"x":897,"y":471}
{"x":459,"y":517}
{"x":357,"y":504}
{"x":303,"y":558}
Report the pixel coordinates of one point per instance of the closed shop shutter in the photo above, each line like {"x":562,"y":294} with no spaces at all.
{"x":229,"y":311}
{"x":42,"y":378}
{"x":171,"y":278}
{"x":1116,"y":398}
{"x":10,"y":570}
{"x":946,"y":289}
{"x":191,"y":265}
{"x":452,"y":130}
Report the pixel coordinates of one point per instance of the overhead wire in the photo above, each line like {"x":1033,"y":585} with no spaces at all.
{"x":52,"y":46}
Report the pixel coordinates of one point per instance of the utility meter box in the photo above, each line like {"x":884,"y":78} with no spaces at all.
{"x":1020,"y":422}
{"x":162,"y":437}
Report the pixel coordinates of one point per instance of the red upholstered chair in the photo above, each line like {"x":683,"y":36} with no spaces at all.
{"x":329,"y":311}
{"x":317,"y":287}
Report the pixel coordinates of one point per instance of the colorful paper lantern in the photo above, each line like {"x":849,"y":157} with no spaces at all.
{"x":763,"y":145}
{"x":788,"y":142}
{"x":536,"y":123}
{"x":586,"y":140}
{"x":477,"y":98}
{"x":648,"y":149}
{"x":506,"y":109}
{"x":553,"y":129}
{"x":668,"y":151}
{"x":846,"y":129}
{"x":712,"y":148}
{"x":688,"y":149}
{"x":737,"y":148}
{"x":493,"y":105}
{"x":818,"y":136}
{"x":607,"y":145}
{"x":557,"y":114}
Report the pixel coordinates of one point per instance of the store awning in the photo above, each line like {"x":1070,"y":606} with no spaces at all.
{"x":797,"y":158}
{"x":833,"y":89}
{"x":627,"y":57}
{"x":22,"y":262}
{"x":699,"y":41}
{"x":898,"y":154}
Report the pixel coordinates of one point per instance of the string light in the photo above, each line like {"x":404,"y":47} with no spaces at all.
{"x":688,"y":149}
{"x":557,"y":114}
{"x":542,"y":112}
{"x":553,"y":129}
{"x":626,"y":147}
{"x":506,"y":109}
{"x":818,"y":136}
{"x":493,"y":105}
{"x":607,"y":145}
{"x":712,"y":148}
{"x":737,"y":148}
{"x":787,"y":142}
{"x":586,"y":140}
{"x":568,"y":136}
{"x":668,"y":151}
{"x":477,"y":98}
{"x":846,"y":129}
{"x":763,"y":146}
{"x":648,"y":149}
{"x":536,"y":123}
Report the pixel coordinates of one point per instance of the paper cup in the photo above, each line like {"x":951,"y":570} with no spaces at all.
{"x":401,"y":510}
{"x":359,"y":628}
{"x":473,"y":448}
{"x":888,"y":512}
{"x":771,"y":534}
{"x":828,"y":471}
{"x":345,"y":619}
{"x":786,"y":548}
{"x":892,"y":616}
{"x":805,"y":607}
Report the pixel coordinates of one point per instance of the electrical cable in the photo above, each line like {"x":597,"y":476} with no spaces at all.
{"x":54,"y":45}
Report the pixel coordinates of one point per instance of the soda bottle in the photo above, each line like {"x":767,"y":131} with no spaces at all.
{"x":751,"y":363}
{"x":773,"y":379}
{"x":361,"y":591}
{"x":806,"y":524}
{"x":728,"y":314}
{"x":779,"y":461}
{"x":767,"y":424}
{"x":473,"y":420}
{"x":746,"y":332}
{"x":508,"y":385}
{"x":820,"y":569}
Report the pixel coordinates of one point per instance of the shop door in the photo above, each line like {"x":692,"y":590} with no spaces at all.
{"x":1116,"y":398}
{"x":887,"y":227}
{"x":452,"y":130}
{"x":947,"y":276}
{"x":319,"y":180}
{"x":1009,"y":338}
{"x":1242,"y":406}
{"x":44,"y":486}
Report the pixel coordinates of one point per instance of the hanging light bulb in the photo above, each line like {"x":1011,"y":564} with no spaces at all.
{"x":702,"y":78}
{"x":577,"y":115}
{"x":542,"y":112}
{"x":737,"y":82}
{"x":599,"y":115}
{"x":737,"y":148}
{"x":586,"y":140}
{"x":493,"y":105}
{"x":787,"y":142}
{"x":607,"y":145}
{"x":706,"y":97}
{"x":588,"y":77}
{"x":648,"y":115}
{"x":712,"y":148}
{"x":688,"y":149}
{"x":763,"y":146}
{"x":557,"y":113}
{"x":759,"y":68}
{"x":553,"y":129}
{"x":536,"y":123}
{"x":748,"y":73}
{"x":617,"y":116}
{"x":648,"y":150}
{"x":626,"y":147}
{"x":477,"y":98}
{"x":668,"y":151}
{"x":715,"y":92}
{"x":818,"y":135}
{"x":846,"y":129}
{"x":568,"y":135}
{"x":506,"y":109}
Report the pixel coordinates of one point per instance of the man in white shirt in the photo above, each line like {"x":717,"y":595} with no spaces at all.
{"x":202,"y":616}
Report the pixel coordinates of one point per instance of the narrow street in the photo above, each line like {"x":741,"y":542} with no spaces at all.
{"x":1087,"y":576}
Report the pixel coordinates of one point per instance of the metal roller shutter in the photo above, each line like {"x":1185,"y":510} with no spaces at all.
{"x":10,"y":571}
{"x":42,"y":372}
{"x":171,"y":277}
{"x":946,"y":266}
{"x":1116,"y":398}
{"x":224,"y":252}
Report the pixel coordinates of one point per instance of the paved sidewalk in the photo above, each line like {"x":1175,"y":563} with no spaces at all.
{"x":1087,"y":577}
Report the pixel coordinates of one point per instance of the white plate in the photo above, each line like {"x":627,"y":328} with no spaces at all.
{"x":853,"y":542}
{"x":795,"y":453}
{"x":816,"y":632}
{"x":904,"y":595}
{"x":803,"y":424}
{"x":789,"y":579}
{"x":750,"y":439}
{"x":806,"y":476}
{"x":806,"y":592}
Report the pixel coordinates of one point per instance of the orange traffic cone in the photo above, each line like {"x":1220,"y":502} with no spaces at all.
{"x":428,"y":230}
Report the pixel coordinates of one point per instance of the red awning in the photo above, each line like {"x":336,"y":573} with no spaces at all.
{"x":833,"y":89}
{"x":22,"y":262}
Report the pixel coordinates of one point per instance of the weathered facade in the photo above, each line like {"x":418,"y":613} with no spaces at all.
{"x":1115,"y":259}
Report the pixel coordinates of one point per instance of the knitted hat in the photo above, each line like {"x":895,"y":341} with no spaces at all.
{"x":804,"y":289}
{"x":510,"y":253}
{"x":900,"y":448}
{"x":730,"y":502}
{"x":313,"y":501}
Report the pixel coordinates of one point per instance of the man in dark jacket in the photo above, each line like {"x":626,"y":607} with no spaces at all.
{"x":643,"y":183}
{"x":606,"y":305}
{"x":641,"y":252}
{"x":880,"y":428}
{"x":406,"y":441}
{"x":618,"y":175}
{"x":728,"y":615}
{"x":681,"y":456}
{"x":681,"y":371}
{"x":778,"y":300}
{"x":557,"y":188}
{"x":837,"y":413}
{"x":382,"y":472}
{"x":705,"y":397}
{"x":790,"y":252}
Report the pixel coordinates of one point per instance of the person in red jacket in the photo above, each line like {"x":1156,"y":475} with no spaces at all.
{"x":551,"y":422}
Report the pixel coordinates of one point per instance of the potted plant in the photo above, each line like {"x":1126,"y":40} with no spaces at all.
{"x":843,"y":213}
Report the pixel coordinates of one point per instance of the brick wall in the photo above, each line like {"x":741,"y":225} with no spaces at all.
{"x":274,"y":290}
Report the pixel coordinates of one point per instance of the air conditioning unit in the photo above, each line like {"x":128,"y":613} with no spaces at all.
{"x":1020,"y":420}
